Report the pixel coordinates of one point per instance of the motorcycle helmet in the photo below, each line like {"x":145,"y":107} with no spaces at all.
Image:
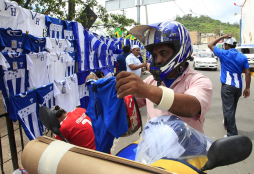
{"x":133,"y":115}
{"x":172,"y":33}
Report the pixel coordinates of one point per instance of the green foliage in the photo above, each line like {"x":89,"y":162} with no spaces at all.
{"x":205,"y":24}
{"x":58,"y":9}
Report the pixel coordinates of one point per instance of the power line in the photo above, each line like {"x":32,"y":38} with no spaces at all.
{"x":178,"y":7}
{"x":207,"y":9}
{"x":198,"y":6}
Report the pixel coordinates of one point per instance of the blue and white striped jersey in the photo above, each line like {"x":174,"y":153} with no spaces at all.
{"x":83,"y":89}
{"x":68,"y":32}
{"x":55,"y":27}
{"x":24,"y":107}
{"x":14,"y":79}
{"x":71,"y":66}
{"x":47,"y":92}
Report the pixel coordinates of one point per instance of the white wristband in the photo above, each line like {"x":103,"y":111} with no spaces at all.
{"x":167,"y":99}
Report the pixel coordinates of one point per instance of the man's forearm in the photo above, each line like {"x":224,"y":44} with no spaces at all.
{"x":135,"y":67}
{"x":184,"y":105}
{"x":213,"y":43}
{"x":247,"y":79}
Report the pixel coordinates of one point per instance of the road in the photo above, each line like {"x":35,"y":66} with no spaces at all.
{"x":213,"y":126}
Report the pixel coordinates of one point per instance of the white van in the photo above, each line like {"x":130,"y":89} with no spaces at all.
{"x":249,"y":53}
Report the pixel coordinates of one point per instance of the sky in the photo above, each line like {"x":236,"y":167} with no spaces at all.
{"x":223,"y":10}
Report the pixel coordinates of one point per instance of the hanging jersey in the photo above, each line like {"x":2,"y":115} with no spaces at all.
{"x":78,"y":32}
{"x":37,"y":66}
{"x":71,"y":67}
{"x":13,"y":41}
{"x":34,"y":23}
{"x":102,"y":54}
{"x":83,"y":89}
{"x":11,"y":14}
{"x":37,"y":45}
{"x":73,"y":45}
{"x":13,"y":75}
{"x":77,"y":129}
{"x":24,"y":107}
{"x":68,"y":32}
{"x":59,"y":45}
{"x":107,"y":112}
{"x":58,"y":66}
{"x":47,"y":92}
{"x":74,"y":93}
{"x":55,"y":27}
{"x":66,"y":93}
{"x":86,"y":50}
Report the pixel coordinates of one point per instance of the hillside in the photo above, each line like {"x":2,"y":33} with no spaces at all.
{"x":205,"y":24}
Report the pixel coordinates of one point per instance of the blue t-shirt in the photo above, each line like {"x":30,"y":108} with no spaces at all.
{"x":68,"y":30}
{"x":232,"y":65}
{"x":121,"y":60}
{"x":107,"y":112}
{"x":13,"y":41}
{"x":36,"y":44}
{"x":24,"y":107}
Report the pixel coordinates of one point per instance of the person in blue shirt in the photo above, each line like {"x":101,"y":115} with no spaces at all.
{"x":121,"y":58}
{"x":232,"y":65}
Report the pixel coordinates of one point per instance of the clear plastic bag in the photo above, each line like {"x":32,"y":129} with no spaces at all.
{"x":169,"y":137}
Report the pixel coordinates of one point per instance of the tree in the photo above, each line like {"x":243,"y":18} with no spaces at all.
{"x":58,"y":9}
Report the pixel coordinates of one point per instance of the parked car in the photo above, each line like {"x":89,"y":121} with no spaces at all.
{"x":249,"y":53}
{"x":205,"y":59}
{"x":194,"y":53}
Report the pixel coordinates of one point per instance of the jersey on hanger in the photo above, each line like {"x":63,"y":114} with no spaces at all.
{"x":72,"y":44}
{"x":68,"y":32}
{"x":13,"y":41}
{"x":11,"y":14}
{"x":37,"y":45}
{"x":37,"y":66}
{"x":14,"y":78}
{"x":47,"y":92}
{"x":78,"y":32}
{"x":59,"y":45}
{"x":107,"y":112}
{"x":71,"y":67}
{"x":24,"y":107}
{"x":34,"y":23}
{"x":55,"y":27}
{"x":83,"y":89}
{"x":58,"y":65}
{"x":102,"y":54}
{"x":66,"y":93}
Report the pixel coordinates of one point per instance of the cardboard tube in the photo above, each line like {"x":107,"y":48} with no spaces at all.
{"x":81,"y":160}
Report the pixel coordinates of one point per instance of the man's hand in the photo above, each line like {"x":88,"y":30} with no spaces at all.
{"x":227,"y":36}
{"x":144,"y":64}
{"x":246,"y":93}
{"x":128,"y":83}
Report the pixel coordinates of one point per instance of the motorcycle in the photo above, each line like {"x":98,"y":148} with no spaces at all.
{"x":222,"y":152}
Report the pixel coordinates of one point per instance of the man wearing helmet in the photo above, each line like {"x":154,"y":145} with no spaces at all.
{"x":173,"y":88}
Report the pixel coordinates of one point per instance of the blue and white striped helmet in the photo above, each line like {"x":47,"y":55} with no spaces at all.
{"x":172,"y":33}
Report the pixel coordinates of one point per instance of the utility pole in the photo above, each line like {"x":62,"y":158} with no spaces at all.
{"x":71,"y":10}
{"x":220,"y":28}
{"x":138,"y":11}
{"x":146,"y":15}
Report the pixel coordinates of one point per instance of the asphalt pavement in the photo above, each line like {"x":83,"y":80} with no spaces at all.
{"x":213,"y":126}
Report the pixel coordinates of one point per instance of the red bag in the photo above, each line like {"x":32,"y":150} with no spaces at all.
{"x":133,"y":115}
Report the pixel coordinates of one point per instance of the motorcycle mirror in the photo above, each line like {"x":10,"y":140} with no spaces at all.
{"x":50,"y":121}
{"x":228,"y":151}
